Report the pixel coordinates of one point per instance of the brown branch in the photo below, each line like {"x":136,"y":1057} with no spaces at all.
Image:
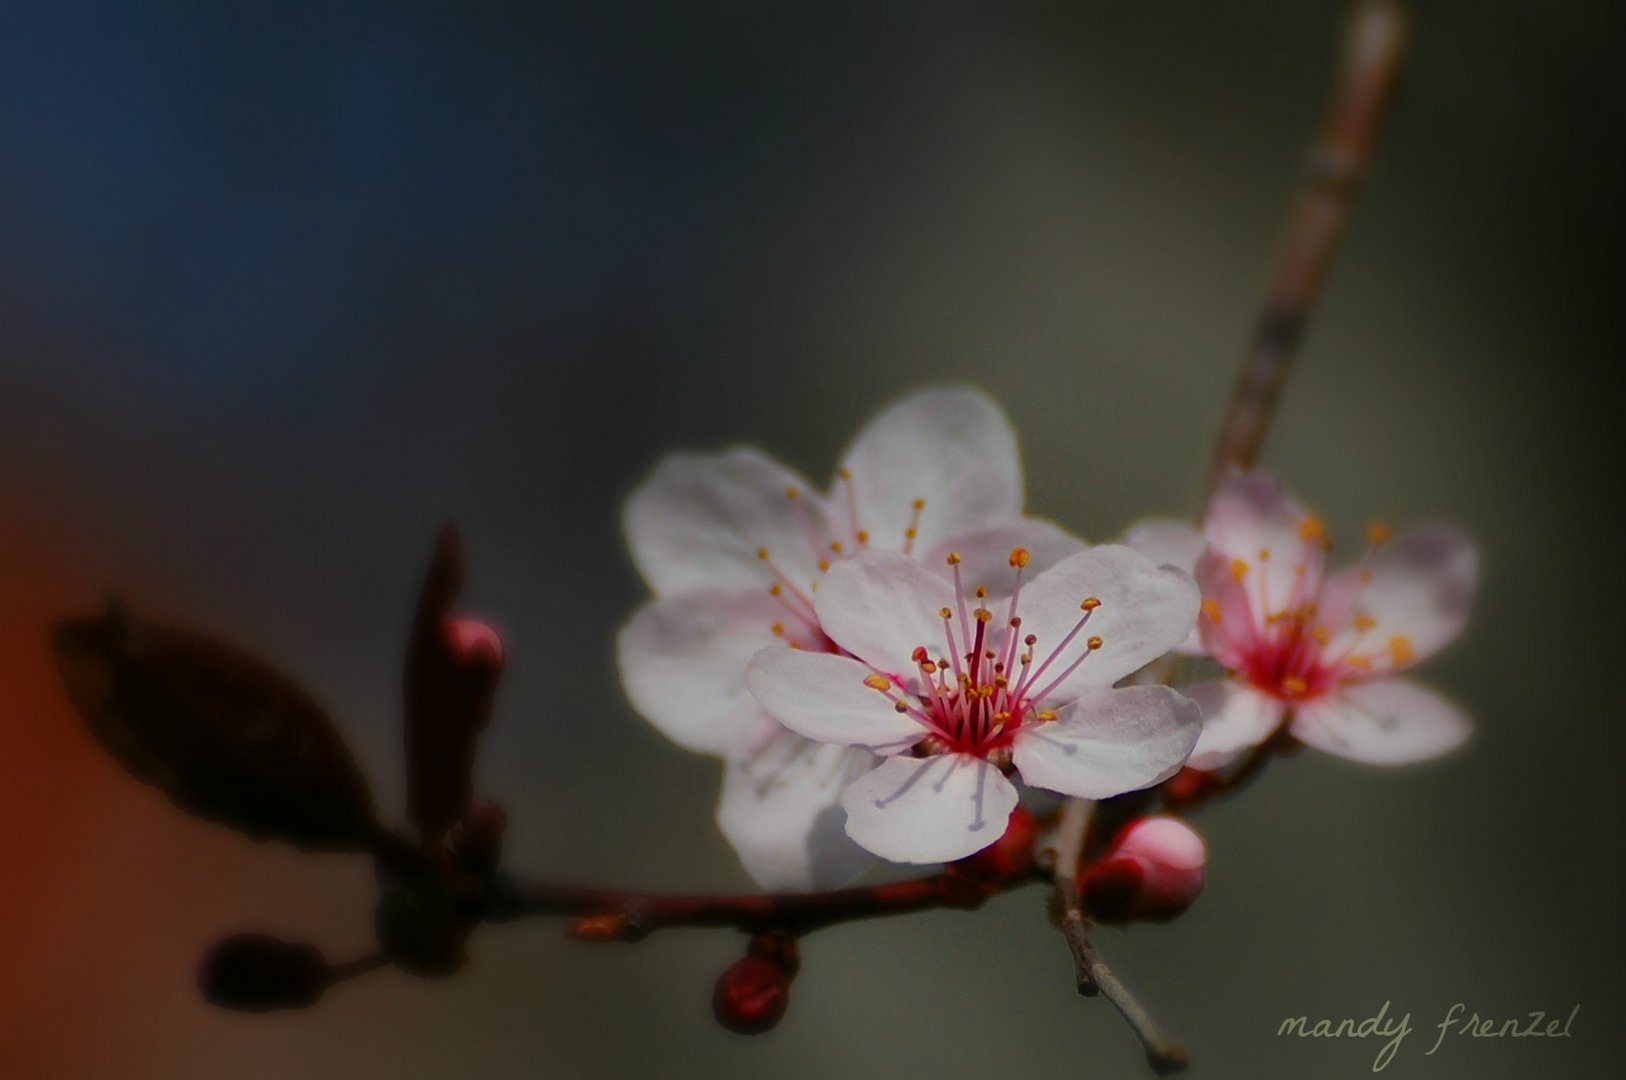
{"x":1374,"y":45}
{"x":615,"y":915}
{"x":1164,"y":1054}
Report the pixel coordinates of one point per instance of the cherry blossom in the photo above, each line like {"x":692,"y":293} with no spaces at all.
{"x":735,"y":547}
{"x":953,"y":696}
{"x":1317,"y":652}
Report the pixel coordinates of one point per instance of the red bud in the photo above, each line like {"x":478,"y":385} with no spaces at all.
{"x":751,"y":995}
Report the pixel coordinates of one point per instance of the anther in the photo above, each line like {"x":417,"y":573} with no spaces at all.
{"x":762,"y":553}
{"x":877,"y":682}
{"x":1378,"y":533}
{"x":1094,"y":643}
{"x":953,"y":558}
{"x":1312,"y":528}
{"x":835,"y":546}
{"x":1090,"y":604}
{"x":792,"y":493}
{"x":1019,"y":558}
{"x":1239,"y":569}
{"x":1211,"y":608}
{"x":945,"y":613}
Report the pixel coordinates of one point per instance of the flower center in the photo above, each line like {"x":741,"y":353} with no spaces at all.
{"x":987,"y":684}
{"x":1290,"y":651}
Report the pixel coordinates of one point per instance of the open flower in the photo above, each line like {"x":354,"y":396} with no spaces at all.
{"x":954,"y":689}
{"x":1317,"y":652}
{"x":735,"y":545}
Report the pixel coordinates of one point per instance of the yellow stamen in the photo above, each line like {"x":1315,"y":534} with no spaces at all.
{"x":1211,"y":608}
{"x":1239,"y":569}
{"x":1019,"y":558}
{"x":1094,"y":643}
{"x":877,"y":682}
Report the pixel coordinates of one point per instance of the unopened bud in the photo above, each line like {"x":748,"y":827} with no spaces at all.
{"x":257,"y":973}
{"x":751,"y":995}
{"x":1011,"y":856}
{"x":473,"y":644}
{"x":1152,"y":871}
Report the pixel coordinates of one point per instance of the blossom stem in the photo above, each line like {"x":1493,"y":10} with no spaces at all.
{"x":1374,"y":45}
{"x":615,"y":915}
{"x":1164,"y":1054}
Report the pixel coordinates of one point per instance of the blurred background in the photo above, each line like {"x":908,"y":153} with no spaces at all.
{"x":283,"y":287}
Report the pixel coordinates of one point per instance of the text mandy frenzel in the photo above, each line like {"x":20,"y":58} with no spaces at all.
{"x":1458,"y":1023}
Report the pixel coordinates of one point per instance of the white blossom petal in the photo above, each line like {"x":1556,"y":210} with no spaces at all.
{"x":1145,"y":611}
{"x":824,"y":697}
{"x":880,"y":606}
{"x":701,"y":519}
{"x":1235,"y":717}
{"x":931,"y":809}
{"x":1421,"y":587}
{"x":1384,"y":722}
{"x":985,"y":554}
{"x":952,"y":447}
{"x":781,"y":810}
{"x":1109,"y":742}
{"x":683,"y":658}
{"x":1176,"y":543}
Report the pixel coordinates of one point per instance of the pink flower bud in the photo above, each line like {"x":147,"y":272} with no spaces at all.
{"x":751,"y":995}
{"x":473,"y":643}
{"x":1152,"y":871}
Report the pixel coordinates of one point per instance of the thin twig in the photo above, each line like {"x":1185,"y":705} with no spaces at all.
{"x":361,"y":965}
{"x":1374,"y":45}
{"x":1164,"y":1054}
{"x":614,"y":915}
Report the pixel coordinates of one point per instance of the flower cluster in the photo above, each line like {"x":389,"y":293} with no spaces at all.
{"x":886,"y":666}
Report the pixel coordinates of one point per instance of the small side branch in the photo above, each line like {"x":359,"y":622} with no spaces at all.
{"x":1164,"y":1054}
{"x":1374,"y":46}
{"x":613,"y":915}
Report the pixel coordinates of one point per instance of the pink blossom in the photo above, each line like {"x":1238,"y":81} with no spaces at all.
{"x":954,"y":689}
{"x":735,"y":547}
{"x":1315,"y":651}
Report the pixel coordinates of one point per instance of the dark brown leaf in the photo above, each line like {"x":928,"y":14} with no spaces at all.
{"x":223,"y":735}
